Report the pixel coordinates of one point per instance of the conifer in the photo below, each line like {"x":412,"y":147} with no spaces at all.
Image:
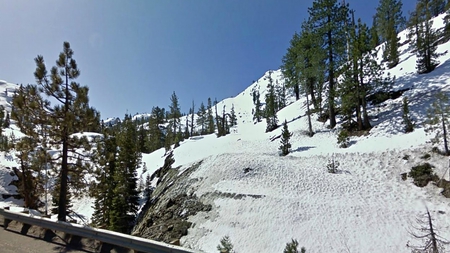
{"x":285,"y":137}
{"x":389,"y":20}
{"x":329,"y":19}
{"x":437,"y":119}
{"x":66,"y":112}
{"x":125,"y":199}
{"x":409,"y":127}
{"x":270,"y":109}
{"x":210,"y":118}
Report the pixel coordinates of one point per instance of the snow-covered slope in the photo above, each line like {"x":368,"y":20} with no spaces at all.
{"x":366,"y":207}
{"x":262,"y":201}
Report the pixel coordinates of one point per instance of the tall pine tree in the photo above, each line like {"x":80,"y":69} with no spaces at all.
{"x":125,"y":199}
{"x":329,"y":19}
{"x":389,"y":20}
{"x":70,"y":114}
{"x":174,"y":119}
{"x":426,"y":38}
{"x":270,"y":109}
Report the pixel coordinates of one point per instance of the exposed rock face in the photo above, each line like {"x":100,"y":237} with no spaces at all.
{"x":165,"y":215}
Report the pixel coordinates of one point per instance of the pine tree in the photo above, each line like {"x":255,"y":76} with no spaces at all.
{"x":426,"y":38}
{"x":329,"y":19}
{"x":156,"y":136}
{"x":28,"y":149}
{"x":210,"y":117}
{"x":437,"y":119}
{"x":374,"y":37}
{"x":409,"y":126}
{"x":125,"y":199}
{"x":102,"y":190}
{"x":225,"y":246}
{"x":285,"y":137}
{"x":192,"y":113}
{"x":257,"y":112}
{"x":7,"y":121}
{"x":362,"y":76}
{"x":437,"y":7}
{"x":270,"y":109}
{"x":174,"y":118}
{"x":233,"y":118}
{"x":70,"y":114}
{"x":289,"y":67}
{"x":389,"y":20}
{"x":202,"y":119}
{"x":446,"y":31}
{"x":292,"y":247}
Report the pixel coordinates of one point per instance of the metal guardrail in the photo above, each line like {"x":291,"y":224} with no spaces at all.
{"x":105,"y":236}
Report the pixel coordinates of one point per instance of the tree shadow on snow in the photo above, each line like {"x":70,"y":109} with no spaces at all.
{"x":301,"y":149}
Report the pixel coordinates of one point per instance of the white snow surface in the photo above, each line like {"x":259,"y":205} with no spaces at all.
{"x":366,"y":207}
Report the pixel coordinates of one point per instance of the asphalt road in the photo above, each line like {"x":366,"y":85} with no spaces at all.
{"x":14,"y":242}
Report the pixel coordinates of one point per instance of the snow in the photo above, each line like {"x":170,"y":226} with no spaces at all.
{"x":366,"y":207}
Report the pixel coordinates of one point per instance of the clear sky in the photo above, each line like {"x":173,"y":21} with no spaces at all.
{"x":133,"y":54}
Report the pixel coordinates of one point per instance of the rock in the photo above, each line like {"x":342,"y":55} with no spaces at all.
{"x":175,"y":242}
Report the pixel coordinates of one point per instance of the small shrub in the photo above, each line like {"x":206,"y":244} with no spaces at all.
{"x":406,"y":157}
{"x":343,"y":139}
{"x":333,"y":166}
{"x":225,"y":245}
{"x":291,"y":247}
{"x":425,"y":156}
{"x":422,"y":174}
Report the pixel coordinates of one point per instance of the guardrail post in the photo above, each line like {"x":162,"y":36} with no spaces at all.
{"x":6,"y":223}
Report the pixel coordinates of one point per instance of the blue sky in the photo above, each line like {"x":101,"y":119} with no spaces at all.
{"x":134,"y":54}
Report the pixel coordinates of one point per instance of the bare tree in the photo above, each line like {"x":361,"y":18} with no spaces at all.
{"x":427,"y":233}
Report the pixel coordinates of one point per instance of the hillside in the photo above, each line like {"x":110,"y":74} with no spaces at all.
{"x":261,"y":200}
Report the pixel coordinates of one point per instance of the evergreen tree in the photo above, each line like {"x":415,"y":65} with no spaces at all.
{"x":156,"y":136}
{"x":374,"y":37}
{"x":437,"y":7}
{"x":125,"y":199}
{"x":362,"y":76}
{"x":210,"y":118}
{"x":409,"y":127}
{"x":233,"y":118}
{"x":289,"y":67}
{"x":102,"y":190}
{"x":25,"y":102}
{"x":70,"y":114}
{"x":389,"y":20}
{"x":225,"y":246}
{"x":202,"y":119}
{"x":292,"y":247}
{"x":257,"y":113}
{"x":192,"y":113}
{"x":143,"y":140}
{"x":7,"y":121}
{"x":329,"y":19}
{"x":281,"y":96}
{"x":426,"y":38}
{"x":285,"y":137}
{"x":174,"y":119}
{"x":446,"y":31}
{"x":270,"y":109}
{"x":437,"y":119}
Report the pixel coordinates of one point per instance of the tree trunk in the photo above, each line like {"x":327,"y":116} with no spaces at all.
{"x":297,"y":92}
{"x":444,"y":130}
{"x":62,"y":204}
{"x":331,"y":108}
{"x":432,"y":234}
{"x":309,"y":117}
